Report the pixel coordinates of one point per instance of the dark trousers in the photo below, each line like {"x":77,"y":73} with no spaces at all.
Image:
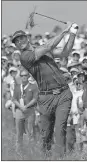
{"x":71,"y":138}
{"x":54,"y":113}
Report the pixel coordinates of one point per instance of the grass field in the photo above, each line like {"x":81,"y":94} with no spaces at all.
{"x":31,"y":151}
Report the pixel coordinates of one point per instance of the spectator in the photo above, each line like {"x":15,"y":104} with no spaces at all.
{"x":74,"y":71}
{"x":71,"y":135}
{"x":10,"y":64}
{"x":72,"y":64}
{"x":16,"y":58}
{"x":76,"y":56}
{"x":4,"y":66}
{"x":25,"y":99}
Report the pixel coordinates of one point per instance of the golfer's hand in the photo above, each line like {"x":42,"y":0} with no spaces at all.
{"x":68,"y":26}
{"x":74,"y":28}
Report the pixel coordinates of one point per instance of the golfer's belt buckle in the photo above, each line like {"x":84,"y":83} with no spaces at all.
{"x":57,"y":91}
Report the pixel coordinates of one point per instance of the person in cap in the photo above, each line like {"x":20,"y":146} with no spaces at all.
{"x":82,"y":107}
{"x":9,"y":49}
{"x":84,"y":66}
{"x":77,"y":94}
{"x":81,"y":77}
{"x":10,"y":64}
{"x":72,"y":84}
{"x":76,"y":56}
{"x":25,"y":100}
{"x":84,"y":61}
{"x":38,"y":37}
{"x":76,"y":65}
{"x":85,"y":53}
{"x":10,"y":79}
{"x":74,"y":71}
{"x":9,"y":84}
{"x":16,"y":57}
{"x":21,"y":42}
{"x":40,"y":63}
{"x":4,"y":61}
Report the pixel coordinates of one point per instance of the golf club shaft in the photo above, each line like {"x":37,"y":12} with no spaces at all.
{"x":51,"y":18}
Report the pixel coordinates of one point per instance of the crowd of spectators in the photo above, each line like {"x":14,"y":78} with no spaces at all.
{"x":74,"y":68}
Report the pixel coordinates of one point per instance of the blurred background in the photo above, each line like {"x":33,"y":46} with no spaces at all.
{"x":15,"y":14}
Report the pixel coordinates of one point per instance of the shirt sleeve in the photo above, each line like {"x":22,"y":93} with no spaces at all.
{"x":27,"y":59}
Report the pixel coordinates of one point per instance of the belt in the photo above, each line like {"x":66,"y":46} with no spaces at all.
{"x":54,"y":91}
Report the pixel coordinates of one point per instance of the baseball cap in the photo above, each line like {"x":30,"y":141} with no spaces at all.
{"x":16,"y":52}
{"x":10,"y":62}
{"x":12,"y":69}
{"x":75,"y":77}
{"x":4,"y":58}
{"x":74,"y":70}
{"x":76,"y":52}
{"x":73,"y":64}
{"x":81,"y":73}
{"x":17,"y":34}
{"x":83,"y":58}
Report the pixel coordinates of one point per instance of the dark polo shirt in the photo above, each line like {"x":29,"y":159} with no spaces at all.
{"x":45,"y":71}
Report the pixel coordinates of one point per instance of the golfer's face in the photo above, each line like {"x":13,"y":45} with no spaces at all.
{"x":21,"y":42}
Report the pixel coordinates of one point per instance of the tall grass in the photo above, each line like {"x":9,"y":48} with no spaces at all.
{"x":31,"y":150}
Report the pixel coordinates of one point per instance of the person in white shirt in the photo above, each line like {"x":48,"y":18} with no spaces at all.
{"x":16,"y":57}
{"x":9,"y":81}
{"x":4,"y":61}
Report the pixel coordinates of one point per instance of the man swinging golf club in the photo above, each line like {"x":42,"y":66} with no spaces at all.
{"x":55,"y":96}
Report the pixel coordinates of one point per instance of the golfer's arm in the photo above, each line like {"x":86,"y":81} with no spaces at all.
{"x":68,"y":46}
{"x":65,"y":51}
{"x":49,"y":46}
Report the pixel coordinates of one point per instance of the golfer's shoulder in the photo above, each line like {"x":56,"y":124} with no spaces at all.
{"x":27,"y":55}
